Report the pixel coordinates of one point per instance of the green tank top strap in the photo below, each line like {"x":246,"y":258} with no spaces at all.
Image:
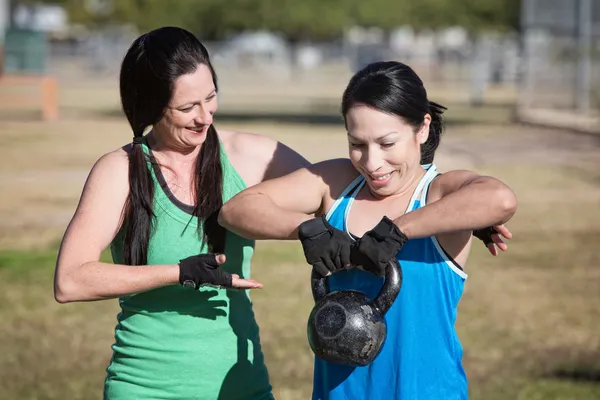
{"x":232,"y":184}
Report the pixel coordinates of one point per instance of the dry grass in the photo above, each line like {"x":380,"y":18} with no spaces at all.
{"x":528,"y":320}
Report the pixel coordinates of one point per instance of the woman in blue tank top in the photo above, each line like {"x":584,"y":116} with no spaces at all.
{"x":388,"y":200}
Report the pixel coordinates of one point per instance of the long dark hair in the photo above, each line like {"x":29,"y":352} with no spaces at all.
{"x":394,"y":88}
{"x":148,"y":72}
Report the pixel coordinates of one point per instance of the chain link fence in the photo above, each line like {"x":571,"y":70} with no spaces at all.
{"x":561,"y":56}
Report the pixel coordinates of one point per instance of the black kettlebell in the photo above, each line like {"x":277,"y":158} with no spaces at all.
{"x":347,"y":327}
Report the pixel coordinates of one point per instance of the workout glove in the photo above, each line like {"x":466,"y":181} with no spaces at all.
{"x":203,"y":269}
{"x":378,"y":246}
{"x":485,"y":234}
{"x":326,"y":248}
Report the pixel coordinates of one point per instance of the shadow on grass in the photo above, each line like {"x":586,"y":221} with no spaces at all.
{"x":577,"y":367}
{"x":315,"y":112}
{"x":458,"y":114}
{"x":578,"y":374}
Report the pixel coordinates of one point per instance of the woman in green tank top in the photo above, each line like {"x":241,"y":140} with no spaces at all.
{"x":187,"y":329}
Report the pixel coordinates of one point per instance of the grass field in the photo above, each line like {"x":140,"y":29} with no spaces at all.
{"x":529,"y":319}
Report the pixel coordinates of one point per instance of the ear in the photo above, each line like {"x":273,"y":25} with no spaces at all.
{"x":423,"y":133}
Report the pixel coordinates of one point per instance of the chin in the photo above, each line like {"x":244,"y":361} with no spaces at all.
{"x":382,"y":191}
{"x":386,"y":189}
{"x":195,"y":139}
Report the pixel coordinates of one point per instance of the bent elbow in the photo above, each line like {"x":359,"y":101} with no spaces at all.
{"x":508,"y":204}
{"x":61,"y":296}
{"x":64,"y":292}
{"x":224,"y":216}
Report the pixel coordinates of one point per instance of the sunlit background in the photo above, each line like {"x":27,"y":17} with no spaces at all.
{"x":521,"y":80}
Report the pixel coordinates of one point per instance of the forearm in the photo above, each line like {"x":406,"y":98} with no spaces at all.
{"x":256,"y":216}
{"x":98,"y":281}
{"x":480,"y":204}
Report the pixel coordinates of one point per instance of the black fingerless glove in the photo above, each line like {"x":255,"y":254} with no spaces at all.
{"x":326,"y":248}
{"x":485,"y":234}
{"x":378,"y":246}
{"x":203,"y":269}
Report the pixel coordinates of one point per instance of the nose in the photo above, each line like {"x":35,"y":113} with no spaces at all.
{"x":204,"y":116}
{"x":372,"y":160}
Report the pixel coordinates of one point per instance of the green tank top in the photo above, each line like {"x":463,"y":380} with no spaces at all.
{"x":178,"y":343}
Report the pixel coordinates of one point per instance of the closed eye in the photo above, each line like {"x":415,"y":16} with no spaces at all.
{"x":357,"y":145}
{"x":387,"y":145}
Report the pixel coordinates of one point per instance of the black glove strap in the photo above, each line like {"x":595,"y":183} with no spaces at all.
{"x":312,"y":228}
{"x":387,"y":229}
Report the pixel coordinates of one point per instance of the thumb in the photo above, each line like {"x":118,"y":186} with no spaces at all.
{"x":220,"y":258}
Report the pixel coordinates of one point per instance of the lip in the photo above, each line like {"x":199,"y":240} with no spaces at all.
{"x":382,"y":182}
{"x":200,"y":132}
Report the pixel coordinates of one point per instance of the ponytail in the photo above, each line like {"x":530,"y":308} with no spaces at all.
{"x":209,"y":192}
{"x":139,"y":214}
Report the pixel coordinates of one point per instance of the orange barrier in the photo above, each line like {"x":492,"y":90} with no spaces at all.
{"x":44,"y":98}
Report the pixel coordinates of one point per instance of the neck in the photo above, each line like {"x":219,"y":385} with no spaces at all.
{"x":172,"y":153}
{"x":407,"y":188}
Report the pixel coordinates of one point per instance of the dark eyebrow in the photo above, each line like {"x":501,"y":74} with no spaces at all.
{"x":191,"y":103}
{"x":212,"y":93}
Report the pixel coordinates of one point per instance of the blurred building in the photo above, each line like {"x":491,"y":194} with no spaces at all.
{"x":561,"y":63}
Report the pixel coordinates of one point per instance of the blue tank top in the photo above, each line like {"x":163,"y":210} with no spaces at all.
{"x":422,"y":356}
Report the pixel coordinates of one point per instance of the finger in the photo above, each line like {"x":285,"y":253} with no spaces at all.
{"x":502,"y":246}
{"x":320,"y":267}
{"x":503,"y":230}
{"x":329,"y":264}
{"x":345,"y":257}
{"x":492,"y":249}
{"x":499,"y":242}
{"x":240,"y":283}
{"x":220,"y":258}
{"x":338,"y":264}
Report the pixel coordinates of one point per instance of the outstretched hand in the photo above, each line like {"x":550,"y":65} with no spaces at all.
{"x":205,"y":270}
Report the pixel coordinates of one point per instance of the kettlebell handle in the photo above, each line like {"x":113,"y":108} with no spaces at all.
{"x":319,"y":285}
{"x":386,"y":297}
{"x":391,"y":287}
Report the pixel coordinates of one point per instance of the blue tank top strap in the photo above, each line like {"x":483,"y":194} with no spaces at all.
{"x":349,"y":205}
{"x":431,"y":173}
{"x":356,"y":184}
{"x":434,"y":174}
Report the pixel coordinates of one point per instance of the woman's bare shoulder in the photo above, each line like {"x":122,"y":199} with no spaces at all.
{"x":337,"y":174}
{"x":115,"y":160}
{"x":335,"y":169}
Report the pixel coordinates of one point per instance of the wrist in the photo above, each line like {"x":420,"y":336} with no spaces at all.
{"x":309,"y":226}
{"x":403,"y":225}
{"x":174,"y":274}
